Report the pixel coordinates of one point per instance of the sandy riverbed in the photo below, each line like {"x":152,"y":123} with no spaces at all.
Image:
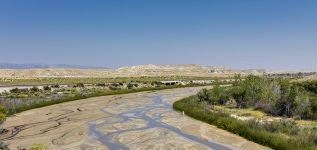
{"x":130,"y":121}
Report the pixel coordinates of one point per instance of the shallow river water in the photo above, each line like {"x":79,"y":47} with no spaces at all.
{"x":153,"y":121}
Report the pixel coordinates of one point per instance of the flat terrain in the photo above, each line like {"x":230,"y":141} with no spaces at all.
{"x":143,"y":120}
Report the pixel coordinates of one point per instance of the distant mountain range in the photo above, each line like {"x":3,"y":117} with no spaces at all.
{"x":53,"y":71}
{"x":42,"y":66}
{"x":8,"y":70}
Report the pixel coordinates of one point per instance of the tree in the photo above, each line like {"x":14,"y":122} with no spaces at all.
{"x":286,"y":105}
{"x":270,"y":91}
{"x":237,"y":79}
{"x":290,"y":103}
{"x":203,"y":96}
{"x":254,"y":88}
{"x":313,"y":107}
{"x":216,"y":92}
{"x":303,"y":106}
{"x":239,"y":94}
{"x":268,"y":95}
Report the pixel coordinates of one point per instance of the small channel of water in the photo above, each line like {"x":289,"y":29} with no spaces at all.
{"x":151,"y":122}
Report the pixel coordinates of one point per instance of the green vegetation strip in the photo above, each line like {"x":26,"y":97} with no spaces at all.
{"x":241,"y":128}
{"x":95,"y":94}
{"x":68,"y":81}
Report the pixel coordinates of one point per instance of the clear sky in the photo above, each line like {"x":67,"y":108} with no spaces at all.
{"x":271,"y":34}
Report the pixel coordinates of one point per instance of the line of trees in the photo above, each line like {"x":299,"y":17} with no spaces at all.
{"x":273,"y":96}
{"x":309,"y":85}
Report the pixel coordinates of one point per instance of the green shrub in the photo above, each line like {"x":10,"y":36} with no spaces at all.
{"x":80,"y":85}
{"x":247,"y":129}
{"x":56,"y":86}
{"x":2,"y":114}
{"x":101,"y":84}
{"x":204,"y":96}
{"x":47,"y":88}
{"x":130,"y":86}
{"x":35,"y":89}
{"x":38,"y":147}
{"x":15,"y":90}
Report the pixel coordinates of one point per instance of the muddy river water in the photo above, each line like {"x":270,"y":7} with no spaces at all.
{"x":132,"y":121}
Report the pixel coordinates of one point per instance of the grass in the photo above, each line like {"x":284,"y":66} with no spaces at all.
{"x":248,"y":130}
{"x":242,"y":112}
{"x":261,"y":115}
{"x":307,"y":123}
{"x":38,"y":147}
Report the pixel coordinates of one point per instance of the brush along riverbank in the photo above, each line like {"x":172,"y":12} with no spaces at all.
{"x":251,"y":130}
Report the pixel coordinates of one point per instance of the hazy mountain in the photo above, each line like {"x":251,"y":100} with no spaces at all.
{"x":63,"y":70}
{"x":76,"y":66}
{"x":42,"y":66}
{"x":21,"y":66}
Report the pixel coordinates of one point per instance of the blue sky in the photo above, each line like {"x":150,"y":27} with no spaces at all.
{"x":271,"y":34}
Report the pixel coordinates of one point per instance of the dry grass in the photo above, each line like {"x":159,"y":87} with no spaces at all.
{"x":308,"y":123}
{"x":261,"y":115}
{"x":242,"y":112}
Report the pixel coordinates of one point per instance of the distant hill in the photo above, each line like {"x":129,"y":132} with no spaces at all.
{"x":178,"y":70}
{"x":8,"y":70}
{"x":43,"y":66}
{"x":62,"y":70}
{"x":50,"y":71}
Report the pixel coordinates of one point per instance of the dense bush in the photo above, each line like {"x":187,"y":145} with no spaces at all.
{"x":204,"y":96}
{"x":47,"y":88}
{"x":309,"y":85}
{"x":131,"y":85}
{"x":111,"y":87}
{"x":15,"y":90}
{"x":267,"y":135}
{"x":101,"y":84}
{"x":274,"y":96}
{"x":80,"y":85}
{"x":34,"y":89}
{"x":56,"y":86}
